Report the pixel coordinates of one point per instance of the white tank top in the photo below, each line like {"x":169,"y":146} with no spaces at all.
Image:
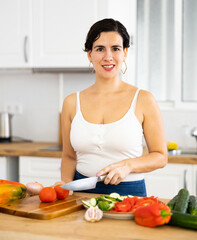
{"x":98,"y":145}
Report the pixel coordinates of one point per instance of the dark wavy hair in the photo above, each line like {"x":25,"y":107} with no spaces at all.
{"x":106,"y":25}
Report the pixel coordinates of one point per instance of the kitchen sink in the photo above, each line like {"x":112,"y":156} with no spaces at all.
{"x":188,"y":151}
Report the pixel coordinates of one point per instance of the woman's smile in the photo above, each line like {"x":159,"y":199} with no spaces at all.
{"x":108,"y":67}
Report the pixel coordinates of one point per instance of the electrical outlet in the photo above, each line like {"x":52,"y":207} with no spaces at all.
{"x":13,"y":108}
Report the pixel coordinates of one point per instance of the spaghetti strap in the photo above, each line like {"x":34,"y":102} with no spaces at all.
{"x":133,"y":105}
{"x":77,"y":103}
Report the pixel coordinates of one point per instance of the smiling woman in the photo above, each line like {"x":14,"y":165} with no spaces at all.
{"x":103,"y":125}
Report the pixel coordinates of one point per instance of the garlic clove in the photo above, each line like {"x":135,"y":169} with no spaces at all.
{"x":93,"y":214}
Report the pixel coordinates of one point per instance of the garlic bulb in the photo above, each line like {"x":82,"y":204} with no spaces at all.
{"x":34,"y":188}
{"x":93,"y":214}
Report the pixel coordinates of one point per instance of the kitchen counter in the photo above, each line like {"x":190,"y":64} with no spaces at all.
{"x":37,"y":149}
{"x":74,"y":227}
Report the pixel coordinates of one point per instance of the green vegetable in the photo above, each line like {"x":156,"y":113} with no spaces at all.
{"x":172,"y":202}
{"x":93,"y":202}
{"x":87,"y":204}
{"x":114,"y":195}
{"x":181,"y":203}
{"x":184,"y":220}
{"x":192,"y":205}
{"x":105,"y":205}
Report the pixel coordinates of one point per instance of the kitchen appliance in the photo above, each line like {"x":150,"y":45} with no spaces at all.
{"x":5,"y":127}
{"x":83,"y":184}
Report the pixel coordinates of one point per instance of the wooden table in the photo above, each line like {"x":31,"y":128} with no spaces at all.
{"x":74,"y":227}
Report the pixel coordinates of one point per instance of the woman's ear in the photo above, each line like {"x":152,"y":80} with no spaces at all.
{"x":89,"y":55}
{"x":125,"y":53}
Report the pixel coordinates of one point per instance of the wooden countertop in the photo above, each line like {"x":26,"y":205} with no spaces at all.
{"x":35,"y":149}
{"x":74,"y":227}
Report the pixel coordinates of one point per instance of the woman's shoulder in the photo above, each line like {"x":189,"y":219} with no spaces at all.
{"x":69,"y":104}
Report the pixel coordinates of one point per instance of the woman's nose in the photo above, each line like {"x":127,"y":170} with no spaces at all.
{"x":108,"y":55}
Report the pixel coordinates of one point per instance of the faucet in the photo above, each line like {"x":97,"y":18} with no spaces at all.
{"x":194,"y":134}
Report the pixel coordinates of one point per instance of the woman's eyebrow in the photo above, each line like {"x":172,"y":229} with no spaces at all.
{"x":98,"y":46}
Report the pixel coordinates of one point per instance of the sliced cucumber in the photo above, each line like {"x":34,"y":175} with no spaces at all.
{"x":86,"y":203}
{"x":114,"y":195}
{"x":93,"y":202}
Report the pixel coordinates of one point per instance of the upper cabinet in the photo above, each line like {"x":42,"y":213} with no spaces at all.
{"x":52,"y":33}
{"x":15,"y":33}
{"x":59,"y":32}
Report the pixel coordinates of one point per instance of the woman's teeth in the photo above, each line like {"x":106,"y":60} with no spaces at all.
{"x":109,"y":66}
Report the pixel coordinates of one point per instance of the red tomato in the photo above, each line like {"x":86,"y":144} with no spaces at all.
{"x":61,"y":193}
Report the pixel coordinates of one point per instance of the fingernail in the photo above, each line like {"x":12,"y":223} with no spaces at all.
{"x":97,"y":174}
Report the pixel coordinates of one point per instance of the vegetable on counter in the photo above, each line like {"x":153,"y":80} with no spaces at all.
{"x":152,"y":215}
{"x":184,"y":210}
{"x":181,"y":203}
{"x":34,"y":188}
{"x":93,"y":214}
{"x":184,"y":220}
{"x":61,"y":193}
{"x":10,"y":191}
{"x":47,"y":194}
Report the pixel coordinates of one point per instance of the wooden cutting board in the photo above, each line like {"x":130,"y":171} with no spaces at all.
{"x":32,"y":207}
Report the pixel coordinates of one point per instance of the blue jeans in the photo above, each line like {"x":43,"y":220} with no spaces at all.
{"x":135,"y":188}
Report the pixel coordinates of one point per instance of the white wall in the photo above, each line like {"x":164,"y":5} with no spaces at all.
{"x":39,"y":96}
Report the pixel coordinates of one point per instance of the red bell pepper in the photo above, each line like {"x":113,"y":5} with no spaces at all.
{"x":153,"y":215}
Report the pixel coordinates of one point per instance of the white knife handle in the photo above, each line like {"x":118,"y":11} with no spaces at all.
{"x":101,"y":178}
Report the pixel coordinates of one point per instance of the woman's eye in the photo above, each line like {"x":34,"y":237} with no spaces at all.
{"x":116,"y":49}
{"x":99,"y":49}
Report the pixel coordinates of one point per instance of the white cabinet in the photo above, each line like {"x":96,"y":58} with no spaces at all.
{"x":166,"y":182}
{"x":9,"y":168}
{"x":52,"y":33}
{"x":44,"y":170}
{"x":59,"y":32}
{"x":15,"y":33}
{"x":195,"y":180}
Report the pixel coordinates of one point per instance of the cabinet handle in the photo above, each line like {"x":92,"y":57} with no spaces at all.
{"x":25,"y":49}
{"x":131,"y":40}
{"x":185,"y":181}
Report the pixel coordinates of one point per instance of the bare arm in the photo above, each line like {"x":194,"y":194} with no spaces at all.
{"x":68,"y":164}
{"x":155,"y":138}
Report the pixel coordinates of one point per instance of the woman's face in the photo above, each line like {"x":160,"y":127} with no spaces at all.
{"x":107,"y":54}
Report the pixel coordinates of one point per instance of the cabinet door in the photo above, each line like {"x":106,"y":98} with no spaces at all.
{"x":166,"y":182}
{"x":194,"y":192}
{"x":41,"y":169}
{"x":9,"y":168}
{"x":14,"y":34}
{"x":59,"y":32}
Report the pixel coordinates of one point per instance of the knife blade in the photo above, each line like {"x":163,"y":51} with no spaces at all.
{"x":83,"y":184}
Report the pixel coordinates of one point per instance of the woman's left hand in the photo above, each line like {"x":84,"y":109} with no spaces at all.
{"x":115,"y":172}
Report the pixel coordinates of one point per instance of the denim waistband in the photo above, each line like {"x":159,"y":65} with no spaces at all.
{"x":135,"y":188}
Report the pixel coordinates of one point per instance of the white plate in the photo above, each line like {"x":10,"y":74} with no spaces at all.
{"x":116,"y":215}
{"x":121,"y":215}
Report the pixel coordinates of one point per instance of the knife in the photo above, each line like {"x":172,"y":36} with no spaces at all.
{"x":83,"y":184}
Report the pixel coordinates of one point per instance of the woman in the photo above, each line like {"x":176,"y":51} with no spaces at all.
{"x":103,"y":125}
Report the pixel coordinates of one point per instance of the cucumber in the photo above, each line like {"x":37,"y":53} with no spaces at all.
{"x":192,"y":205}
{"x":114,"y":195}
{"x":172,"y":202}
{"x":181,"y":203}
{"x":93,"y":202}
{"x":184,"y":220}
{"x":87,"y":204}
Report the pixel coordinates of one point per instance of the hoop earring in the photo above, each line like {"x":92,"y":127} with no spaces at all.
{"x":90,"y":68}
{"x":125,"y":68}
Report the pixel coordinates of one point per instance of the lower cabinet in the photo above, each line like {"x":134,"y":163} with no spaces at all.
{"x":166,"y":182}
{"x":44,"y":170}
{"x":9,"y":168}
